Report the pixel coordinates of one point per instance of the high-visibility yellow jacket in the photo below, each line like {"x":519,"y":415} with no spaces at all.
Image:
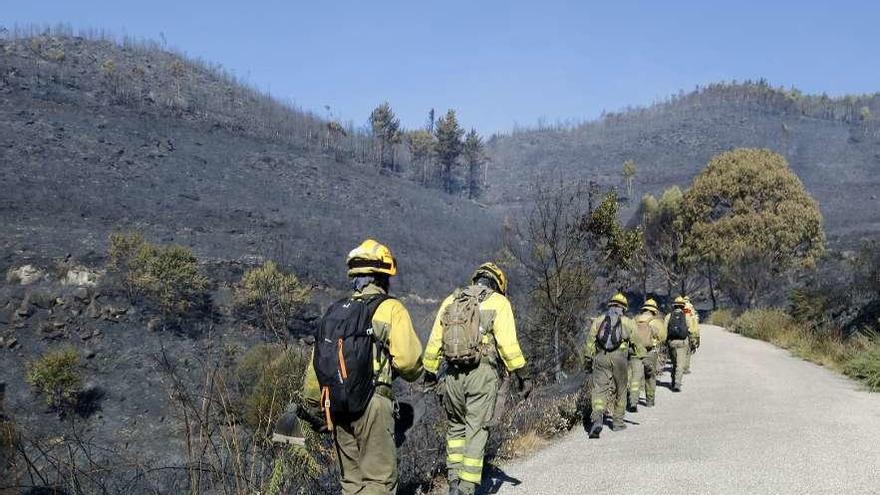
{"x":499,"y":341}
{"x":693,"y":319}
{"x":658,"y":332}
{"x":393,"y":327}
{"x":627,"y":325}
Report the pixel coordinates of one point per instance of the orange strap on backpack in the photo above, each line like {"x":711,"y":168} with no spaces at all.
{"x":325,"y":406}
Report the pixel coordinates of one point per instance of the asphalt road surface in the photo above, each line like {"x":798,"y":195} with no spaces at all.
{"x":751,"y":419}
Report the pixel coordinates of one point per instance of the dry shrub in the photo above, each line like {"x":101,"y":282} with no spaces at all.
{"x":721,"y":317}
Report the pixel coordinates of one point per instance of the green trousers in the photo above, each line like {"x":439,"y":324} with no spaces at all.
{"x":679,"y":352}
{"x":642,"y":374}
{"x":469,"y":401}
{"x":693,"y":343}
{"x":366,"y":450}
{"x":610,"y":370}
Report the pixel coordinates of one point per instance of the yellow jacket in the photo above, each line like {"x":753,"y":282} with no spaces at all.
{"x":658,"y":332}
{"x":693,"y":319}
{"x":627,"y":325}
{"x":392,"y":326}
{"x":500,"y":340}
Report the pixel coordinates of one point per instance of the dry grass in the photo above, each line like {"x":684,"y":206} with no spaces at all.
{"x":523,"y":445}
{"x":857,"y":357}
{"x":721,"y":317}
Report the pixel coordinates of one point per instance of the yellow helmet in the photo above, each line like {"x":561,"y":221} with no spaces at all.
{"x":492,"y":271}
{"x":651,"y":305}
{"x":679,"y":301}
{"x":370,"y":258}
{"x":619,"y":300}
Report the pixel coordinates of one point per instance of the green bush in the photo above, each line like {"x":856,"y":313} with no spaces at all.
{"x":721,"y":317}
{"x":167,"y":275}
{"x":270,"y":377}
{"x":865,"y":367}
{"x":56,"y":375}
{"x":270,"y":296}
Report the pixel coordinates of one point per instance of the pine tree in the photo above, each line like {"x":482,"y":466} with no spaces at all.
{"x":449,"y":147}
{"x":386,"y":129}
{"x":474,"y":156}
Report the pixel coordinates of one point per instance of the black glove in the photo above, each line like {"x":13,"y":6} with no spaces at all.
{"x":429,"y":381}
{"x":523,"y":384}
{"x":314,"y":418}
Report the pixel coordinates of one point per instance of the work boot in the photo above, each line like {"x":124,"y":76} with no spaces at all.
{"x":596,"y":430}
{"x":466,"y":488}
{"x":618,"y":426}
{"x":676,"y":388}
{"x":453,"y":487}
{"x":649,"y":403}
{"x":632,"y":409}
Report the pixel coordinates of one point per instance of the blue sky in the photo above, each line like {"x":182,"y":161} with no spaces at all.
{"x":497,"y":62}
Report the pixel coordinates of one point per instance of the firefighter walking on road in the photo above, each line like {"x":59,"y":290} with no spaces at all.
{"x":475,"y":335}
{"x":678,"y":333}
{"x":363,"y":342}
{"x":649,"y":335}
{"x":607,"y":350}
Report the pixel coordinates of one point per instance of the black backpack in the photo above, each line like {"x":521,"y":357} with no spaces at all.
{"x":343,"y":357}
{"x":610,"y":334}
{"x":678,"y":327}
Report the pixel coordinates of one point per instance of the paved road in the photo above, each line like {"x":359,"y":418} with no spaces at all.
{"x":751,"y":420}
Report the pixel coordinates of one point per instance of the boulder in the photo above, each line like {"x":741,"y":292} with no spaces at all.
{"x":93,"y":310}
{"x":25,"y":310}
{"x":82,"y":294}
{"x":24,"y":275}
{"x":42,"y":300}
{"x":80,"y":276}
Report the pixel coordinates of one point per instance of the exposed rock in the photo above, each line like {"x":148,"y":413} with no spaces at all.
{"x":82,"y":294}
{"x":24,"y":275}
{"x":90,"y":353}
{"x":154,"y":325}
{"x":93,"y":310}
{"x":40,"y":299}
{"x":4,"y":317}
{"x":11,"y":343}
{"x":81,"y":276}
{"x":25,"y":310}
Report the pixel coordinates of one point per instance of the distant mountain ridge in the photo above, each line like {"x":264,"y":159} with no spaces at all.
{"x":833,"y":144}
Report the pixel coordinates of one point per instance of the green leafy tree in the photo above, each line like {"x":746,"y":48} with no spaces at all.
{"x":664,"y":234}
{"x":616,"y":247}
{"x":386,"y":130}
{"x":449,"y":147}
{"x":748,"y":212}
{"x":474,"y":156}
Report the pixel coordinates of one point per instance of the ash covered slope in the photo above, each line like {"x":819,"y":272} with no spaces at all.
{"x":96,"y":137}
{"x":832,"y":144}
